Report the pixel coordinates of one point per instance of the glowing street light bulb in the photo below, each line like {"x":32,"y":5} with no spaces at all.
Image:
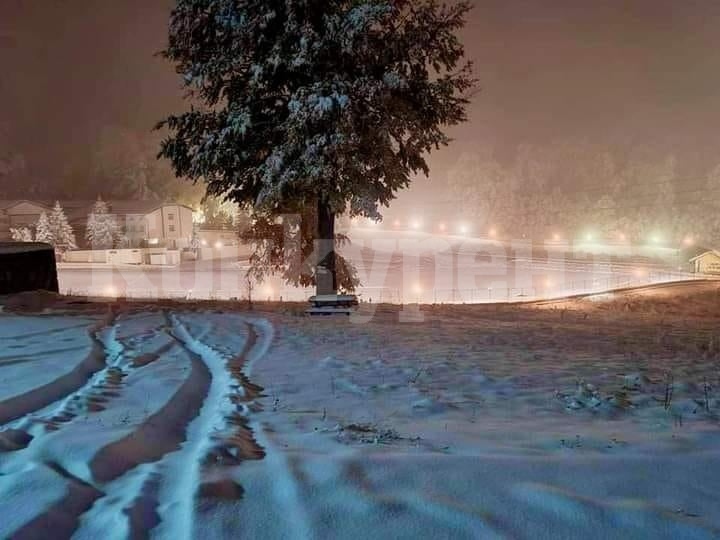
{"x":556,"y":237}
{"x":218,"y":244}
{"x":589,"y":237}
{"x":622,"y":237}
{"x":417,"y":291}
{"x":492,"y":232}
{"x":689,"y":241}
{"x":442,"y":227}
{"x":416,"y":225}
{"x":464,"y":229}
{"x":396,"y":223}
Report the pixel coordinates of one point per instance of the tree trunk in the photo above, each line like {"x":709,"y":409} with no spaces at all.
{"x":326,"y":276}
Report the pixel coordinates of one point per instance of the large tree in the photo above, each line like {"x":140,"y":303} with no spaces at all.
{"x":319,"y":107}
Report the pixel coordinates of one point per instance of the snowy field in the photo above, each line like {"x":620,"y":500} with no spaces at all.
{"x":408,"y":267}
{"x":593,"y":418}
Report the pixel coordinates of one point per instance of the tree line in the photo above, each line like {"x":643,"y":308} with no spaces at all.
{"x":577,"y":190}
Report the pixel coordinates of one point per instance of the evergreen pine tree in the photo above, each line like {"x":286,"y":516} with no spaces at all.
{"x":102,"y":230}
{"x":43,"y":231}
{"x":61,"y":230}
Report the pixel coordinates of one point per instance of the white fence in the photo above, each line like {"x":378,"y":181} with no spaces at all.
{"x":157,"y":256}
{"x":388,"y":295}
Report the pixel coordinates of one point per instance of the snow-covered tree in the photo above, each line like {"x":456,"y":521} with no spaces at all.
{"x":102,"y":230}
{"x":23,"y":234}
{"x":43,"y":231}
{"x":195,"y":238}
{"x":314,"y":106}
{"x":123,"y":240}
{"x":217,"y":213}
{"x":63,"y":237}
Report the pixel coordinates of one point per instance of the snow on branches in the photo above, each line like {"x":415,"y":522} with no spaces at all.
{"x":102,"y":231}
{"x":334,"y":101}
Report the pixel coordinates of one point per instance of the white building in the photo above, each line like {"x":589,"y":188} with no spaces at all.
{"x":143,"y":222}
{"x":707,"y":263}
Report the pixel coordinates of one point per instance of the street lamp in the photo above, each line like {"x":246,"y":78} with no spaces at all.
{"x":268,"y":290}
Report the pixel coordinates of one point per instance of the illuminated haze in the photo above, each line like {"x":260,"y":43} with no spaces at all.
{"x":620,"y":75}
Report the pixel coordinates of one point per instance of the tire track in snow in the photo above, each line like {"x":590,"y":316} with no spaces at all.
{"x":138,"y":487}
{"x":164,"y":448}
{"x":25,"y":404}
{"x":281,"y":476}
{"x":63,"y":517}
{"x":161,"y":433}
{"x":42,"y":333}
{"x":237,"y":442}
{"x":99,"y":388}
{"x":82,"y":493}
{"x":184,"y":470}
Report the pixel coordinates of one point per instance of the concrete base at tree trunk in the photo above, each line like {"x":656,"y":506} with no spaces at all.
{"x":325,"y":282}
{"x":332,"y":304}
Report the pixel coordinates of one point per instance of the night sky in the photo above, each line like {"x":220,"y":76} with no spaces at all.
{"x":620,"y":72}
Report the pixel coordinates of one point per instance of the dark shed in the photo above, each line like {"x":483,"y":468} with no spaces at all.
{"x":26,"y":266}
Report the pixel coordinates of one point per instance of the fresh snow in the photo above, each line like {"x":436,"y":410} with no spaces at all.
{"x":581,"y":418}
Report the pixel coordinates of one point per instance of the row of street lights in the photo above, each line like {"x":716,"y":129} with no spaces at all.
{"x":464,"y":229}
{"x":654,"y":239}
{"x":442,"y":227}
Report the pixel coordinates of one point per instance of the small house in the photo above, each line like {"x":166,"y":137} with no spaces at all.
{"x":707,"y":262}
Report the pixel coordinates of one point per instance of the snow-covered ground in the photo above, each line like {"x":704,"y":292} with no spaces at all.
{"x":593,"y":418}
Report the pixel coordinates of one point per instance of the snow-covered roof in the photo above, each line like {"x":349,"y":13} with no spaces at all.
{"x":139,"y":207}
{"x":7,"y":204}
{"x":714,"y":252}
{"x":78,"y":208}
